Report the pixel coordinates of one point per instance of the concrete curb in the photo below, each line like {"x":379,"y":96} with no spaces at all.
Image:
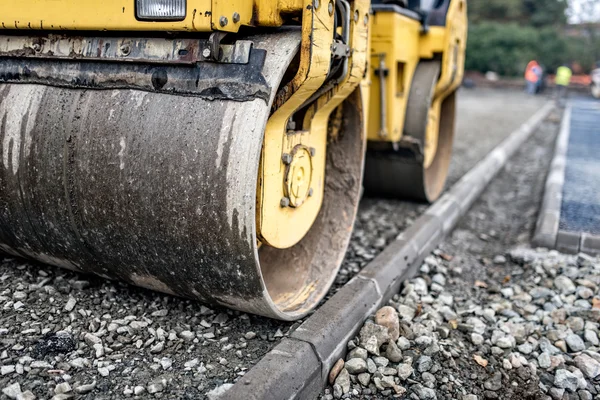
{"x":546,"y":231}
{"x":298,"y":366}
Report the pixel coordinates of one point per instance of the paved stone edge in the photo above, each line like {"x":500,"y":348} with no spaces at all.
{"x":546,"y":230}
{"x":297,"y":368}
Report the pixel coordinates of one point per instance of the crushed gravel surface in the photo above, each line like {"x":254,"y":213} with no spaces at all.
{"x":66,"y":335}
{"x":488,"y":317}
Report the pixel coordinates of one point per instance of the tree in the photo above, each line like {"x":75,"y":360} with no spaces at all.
{"x":536,"y":13}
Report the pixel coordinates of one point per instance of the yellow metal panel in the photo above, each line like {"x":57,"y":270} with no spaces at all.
{"x":283,"y":227}
{"x":229,"y":15}
{"x":269,"y":12}
{"x":397,"y":38}
{"x":96,"y":15}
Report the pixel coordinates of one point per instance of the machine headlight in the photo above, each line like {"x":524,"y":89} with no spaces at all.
{"x":160,"y":10}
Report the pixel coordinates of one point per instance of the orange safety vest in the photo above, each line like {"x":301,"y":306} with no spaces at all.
{"x":530,"y":75}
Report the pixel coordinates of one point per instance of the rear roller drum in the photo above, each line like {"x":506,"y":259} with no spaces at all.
{"x":160,"y":191}
{"x":417,"y":170}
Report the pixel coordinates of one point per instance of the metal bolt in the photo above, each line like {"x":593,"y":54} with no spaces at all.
{"x":310,"y":192}
{"x":316,"y":4}
{"x":206,"y":53}
{"x":286,"y":158}
{"x":285,"y":202}
{"x":223,"y":21}
{"x":312,"y":151}
{"x":37,"y":48}
{"x":366,"y":19}
{"x":334,"y":48}
{"x":236,"y":17}
{"x":356,"y":16}
{"x":330,"y":7}
{"x":125,"y":49}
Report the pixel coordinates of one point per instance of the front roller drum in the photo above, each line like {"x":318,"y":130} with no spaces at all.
{"x":406,"y":172}
{"x":160,"y":190}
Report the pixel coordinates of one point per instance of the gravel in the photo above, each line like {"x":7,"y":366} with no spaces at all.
{"x":110,"y":340}
{"x":534,"y":343}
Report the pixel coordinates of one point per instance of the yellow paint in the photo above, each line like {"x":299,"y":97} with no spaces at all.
{"x":282,"y":227}
{"x":119,"y":15}
{"x":400,"y":39}
{"x":397,"y":37}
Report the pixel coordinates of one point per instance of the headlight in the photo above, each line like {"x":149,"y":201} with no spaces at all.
{"x":161,"y":10}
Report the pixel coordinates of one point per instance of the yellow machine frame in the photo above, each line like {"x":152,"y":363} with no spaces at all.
{"x":291,"y":174}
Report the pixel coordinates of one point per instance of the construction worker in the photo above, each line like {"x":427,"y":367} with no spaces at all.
{"x":533,"y":74}
{"x":562,"y":80}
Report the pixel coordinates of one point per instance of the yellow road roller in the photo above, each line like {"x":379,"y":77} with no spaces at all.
{"x":217,"y":149}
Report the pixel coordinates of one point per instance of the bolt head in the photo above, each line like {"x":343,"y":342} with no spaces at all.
{"x":125,"y":49}
{"x":310,"y":192}
{"x":316,"y":3}
{"x":356,"y":16}
{"x":37,"y":47}
{"x":223,"y":21}
{"x":236,"y":17}
{"x":206,"y":53}
{"x":312,"y":151}
{"x":286,"y":158}
{"x":330,"y":7}
{"x":366,"y":19}
{"x":285,"y":202}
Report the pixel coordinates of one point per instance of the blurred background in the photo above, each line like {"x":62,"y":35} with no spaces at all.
{"x":505,"y":35}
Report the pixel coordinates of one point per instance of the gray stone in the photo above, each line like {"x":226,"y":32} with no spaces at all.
{"x":337,"y":392}
{"x":83,"y":389}
{"x":364,"y":379}
{"x":556,"y":393}
{"x":403,"y":343}
{"x":564,"y":379}
{"x":476,"y":339}
{"x":404,"y":371}
{"x":494,"y":383}
{"x":62,"y":387}
{"x":212,"y":395}
{"x":381,"y":361}
{"x":343,"y":380}
{"x":424,"y":393}
{"x":387,"y":316}
{"x":358,"y":352}
{"x":499,"y":259}
{"x":470,"y":397}
{"x":370,"y":331}
{"x":393,"y":353}
{"x":356,"y":366}
{"x":371,"y":366}
{"x":424,"y":363}
{"x":525,"y":348}
{"x":420,"y":286}
{"x":544,"y":360}
{"x":575,"y":342}
{"x":406,"y":313}
{"x":188,"y":336}
{"x":591,"y":337}
{"x":506,"y":342}
{"x":564,"y":284}
{"x":541,"y":292}
{"x":584,"y":395}
{"x":12,"y":391}
{"x":589,"y":366}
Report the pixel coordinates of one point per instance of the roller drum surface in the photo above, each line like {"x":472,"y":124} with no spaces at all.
{"x":160,"y":191}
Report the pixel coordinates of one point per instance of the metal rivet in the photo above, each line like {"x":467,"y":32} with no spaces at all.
{"x":223,"y":21}
{"x":366,"y":19}
{"x":313,"y":151}
{"x":330,"y":7}
{"x":356,"y":15}
{"x":285,"y":202}
{"x":310,"y":192}
{"x":206,"y":53}
{"x":236,"y":17}
{"x":316,"y":3}
{"x":125,"y":50}
{"x":286,"y":158}
{"x":37,"y":48}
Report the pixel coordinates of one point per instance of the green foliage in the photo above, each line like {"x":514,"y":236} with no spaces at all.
{"x":527,"y":12}
{"x":504,"y":35}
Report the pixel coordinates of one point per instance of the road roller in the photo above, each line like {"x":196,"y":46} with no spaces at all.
{"x":218,"y":149}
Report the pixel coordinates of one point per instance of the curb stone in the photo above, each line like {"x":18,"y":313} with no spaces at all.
{"x":297,"y":367}
{"x":546,"y":231}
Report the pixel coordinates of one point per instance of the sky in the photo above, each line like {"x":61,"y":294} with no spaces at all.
{"x":584,"y":11}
